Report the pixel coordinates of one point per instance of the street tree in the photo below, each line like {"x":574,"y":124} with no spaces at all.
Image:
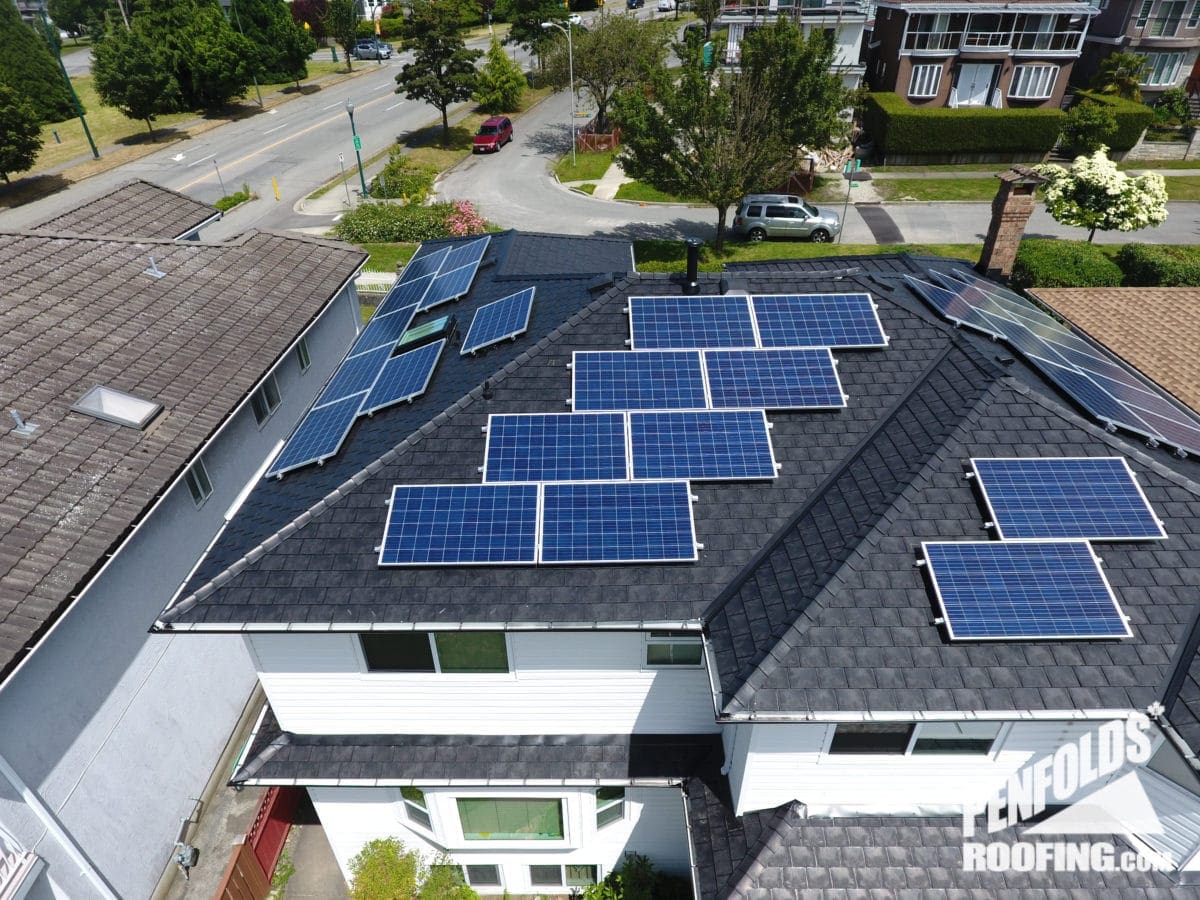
{"x":617,"y":52}
{"x":20,"y":133}
{"x":500,"y":83}
{"x":1087,"y":127}
{"x":443,"y":70}
{"x":525,"y":18}
{"x":706,"y":11}
{"x":705,"y":135}
{"x":217,"y":61}
{"x":341,"y":23}
{"x":282,"y":47}
{"x":1121,"y":74}
{"x":132,"y":75}
{"x":29,"y":68}
{"x":1096,"y":195}
{"x":311,"y":13}
{"x":77,"y":16}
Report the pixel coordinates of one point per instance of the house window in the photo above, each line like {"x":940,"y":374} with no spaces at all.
{"x":674,"y":648}
{"x":1032,"y":82}
{"x":970,"y":738}
{"x":546,"y":876}
{"x":483,"y":876}
{"x":610,"y":805}
{"x":1170,"y":14}
{"x":1194,"y":16}
{"x":415,"y":807}
{"x":1143,"y":15}
{"x":552,"y":876}
{"x":265,"y":400}
{"x":1163,"y":68}
{"x":581,"y":876}
{"x":449,"y":652}
{"x":856,"y":738}
{"x":925,"y":81}
{"x":302,"y":356}
{"x":510,"y":819}
{"x":198,"y":482}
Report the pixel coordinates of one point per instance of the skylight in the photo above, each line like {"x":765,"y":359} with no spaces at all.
{"x":117,"y":406}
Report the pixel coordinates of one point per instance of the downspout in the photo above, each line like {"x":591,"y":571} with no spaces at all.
{"x":51,"y":824}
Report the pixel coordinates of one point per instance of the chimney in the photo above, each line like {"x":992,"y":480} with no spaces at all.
{"x":693,"y":265}
{"x":1011,"y":210}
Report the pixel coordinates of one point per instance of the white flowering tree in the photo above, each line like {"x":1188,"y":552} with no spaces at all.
{"x":1095,"y":194}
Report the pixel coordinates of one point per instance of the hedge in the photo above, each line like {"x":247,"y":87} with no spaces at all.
{"x":1048,"y":263}
{"x":899,"y":128}
{"x":1148,"y":265}
{"x":379,"y":223}
{"x":1132,"y":118}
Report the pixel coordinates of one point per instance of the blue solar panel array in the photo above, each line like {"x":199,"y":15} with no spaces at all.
{"x":405,"y":294}
{"x":1094,"y":498}
{"x":385,"y":330}
{"x":1052,"y":590}
{"x":319,"y":436}
{"x":466,"y":254}
{"x":617,"y":522}
{"x":687,"y":323}
{"x":702,"y":445}
{"x":449,"y":285}
{"x":643,"y":379}
{"x":424,"y":263}
{"x":556,"y":447}
{"x":773,"y":379}
{"x":355,"y":375}
{"x":404,"y":377}
{"x":461,"y":524}
{"x":846,"y":321}
{"x":494,"y":322}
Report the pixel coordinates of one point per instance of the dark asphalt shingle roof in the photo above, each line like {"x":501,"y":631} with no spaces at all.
{"x":136,"y":209}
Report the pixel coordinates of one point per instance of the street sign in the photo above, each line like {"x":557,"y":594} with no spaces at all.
{"x":357,"y":142}
{"x":341,"y":158}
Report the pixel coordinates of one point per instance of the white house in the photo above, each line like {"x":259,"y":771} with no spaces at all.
{"x":147,"y":380}
{"x":485,"y":626}
{"x":846,"y":20}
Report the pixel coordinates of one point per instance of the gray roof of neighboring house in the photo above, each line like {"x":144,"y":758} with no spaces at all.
{"x":76,"y":312}
{"x":136,"y":209}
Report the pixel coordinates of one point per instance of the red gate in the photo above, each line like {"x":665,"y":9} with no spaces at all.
{"x":248,"y":875}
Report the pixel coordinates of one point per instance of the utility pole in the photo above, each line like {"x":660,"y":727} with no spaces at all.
{"x":50,"y":36}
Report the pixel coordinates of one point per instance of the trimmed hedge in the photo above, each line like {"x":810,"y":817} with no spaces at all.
{"x":1150,"y":265}
{"x":899,"y":128}
{"x":1132,"y":118}
{"x":383,"y":223}
{"x":1048,"y":263}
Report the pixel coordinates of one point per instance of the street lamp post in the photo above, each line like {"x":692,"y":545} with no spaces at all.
{"x":571,"y":78}
{"x":357,"y":146}
{"x":55,"y":46}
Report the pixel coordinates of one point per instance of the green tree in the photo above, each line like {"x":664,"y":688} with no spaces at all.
{"x":282,"y":46}
{"x":386,"y":870}
{"x":707,"y":135}
{"x":311,"y":13}
{"x":1096,"y":195}
{"x":132,"y":74}
{"x":795,"y":72}
{"x":616,"y":53}
{"x":501,"y":81}
{"x":1087,"y":127}
{"x":1122,"y":74}
{"x":341,"y":23}
{"x":217,"y":62}
{"x":20,"y":133}
{"x":443,"y":71}
{"x":30,"y":69}
{"x":706,"y":11}
{"x":76,"y":16}
{"x":525,"y":18}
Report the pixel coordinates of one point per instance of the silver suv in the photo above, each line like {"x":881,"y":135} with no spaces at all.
{"x":372,"y":48}
{"x":761,"y":216}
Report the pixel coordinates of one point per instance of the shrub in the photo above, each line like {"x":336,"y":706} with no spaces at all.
{"x":1172,"y":104}
{"x":379,"y":223}
{"x":1088,"y":127}
{"x":401,"y":179}
{"x":1048,"y":263}
{"x":364,"y":29}
{"x":899,"y":128}
{"x":637,"y":879}
{"x":391,"y":27}
{"x":383,"y":870}
{"x":1132,"y":118}
{"x":1151,"y":265}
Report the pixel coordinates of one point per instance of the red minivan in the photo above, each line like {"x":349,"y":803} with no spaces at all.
{"x":492,"y":135}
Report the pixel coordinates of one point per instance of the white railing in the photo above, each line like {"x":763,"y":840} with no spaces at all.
{"x":374,"y":282}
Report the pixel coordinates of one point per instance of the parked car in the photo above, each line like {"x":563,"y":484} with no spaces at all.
{"x":666,"y":5}
{"x":762,"y":216}
{"x":575,"y":19}
{"x":372,"y":48}
{"x":634,"y":4}
{"x":492,"y":135}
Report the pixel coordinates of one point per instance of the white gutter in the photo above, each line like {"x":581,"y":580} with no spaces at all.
{"x":359,"y":627}
{"x":987,"y":715}
{"x":465,"y":782}
{"x":50,"y":823}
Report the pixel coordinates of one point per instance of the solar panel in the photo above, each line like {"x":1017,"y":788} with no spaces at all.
{"x":355,"y":375}
{"x":469,"y":254}
{"x":702,"y":445}
{"x":639,"y":379}
{"x":449,"y":285}
{"x":319,"y":436}
{"x":385,"y":330}
{"x":423,"y":264}
{"x":405,"y":294}
{"x":404,"y":377}
{"x":951,"y":304}
{"x":773,"y":379}
{"x":685,"y":323}
{"x":818,"y":320}
{"x":995,"y":590}
{"x":617,"y":522}
{"x":497,"y":321}
{"x":1066,"y":497}
{"x":461,"y":524}
{"x":555,"y":447}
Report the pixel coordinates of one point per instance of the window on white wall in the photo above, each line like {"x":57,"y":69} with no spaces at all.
{"x":483,"y":876}
{"x":450,"y":652}
{"x":581,"y":876}
{"x":415,"y":807}
{"x":861,"y":738}
{"x":1033,"y":82}
{"x":546,"y":876}
{"x":198,"y":482}
{"x":674,"y":648}
{"x":265,"y":400}
{"x":925,"y":81}
{"x":972,"y":738}
{"x":558,"y":876}
{"x":610,"y":805}
{"x":510,"y":819}
{"x":302,"y":356}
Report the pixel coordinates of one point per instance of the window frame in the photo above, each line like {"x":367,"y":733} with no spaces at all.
{"x":1193,"y":19}
{"x":914,"y":735}
{"x":563,"y":878}
{"x":466,"y":870}
{"x":1176,"y":67}
{"x":511,"y":843}
{"x":199,"y":482}
{"x":423,"y":817}
{"x":431,"y":636}
{"x":672,"y":639}
{"x":608,"y":805}
{"x":923,"y":71}
{"x":989,"y":753}
{"x":1012,"y":84}
{"x":1143,"y":14}
{"x":303,"y":357}
{"x":261,"y":402}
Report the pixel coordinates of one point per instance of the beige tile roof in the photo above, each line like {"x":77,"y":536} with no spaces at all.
{"x":76,"y":312}
{"x":1155,"y":329}
{"x":134,"y":209}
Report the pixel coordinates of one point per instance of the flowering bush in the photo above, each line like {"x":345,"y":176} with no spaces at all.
{"x":374,"y":223}
{"x":1094,"y":194}
{"x":464,"y":219}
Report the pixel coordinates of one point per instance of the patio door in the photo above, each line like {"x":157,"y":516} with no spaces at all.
{"x":975,"y":83}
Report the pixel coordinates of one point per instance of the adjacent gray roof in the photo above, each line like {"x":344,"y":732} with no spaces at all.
{"x":136,"y":209}
{"x":76,"y":312}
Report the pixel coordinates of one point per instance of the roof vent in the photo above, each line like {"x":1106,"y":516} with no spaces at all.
{"x":154,"y":271}
{"x":23,"y":428}
{"x":117,"y":406}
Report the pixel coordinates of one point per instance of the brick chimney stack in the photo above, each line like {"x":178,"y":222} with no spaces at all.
{"x":1011,"y":210}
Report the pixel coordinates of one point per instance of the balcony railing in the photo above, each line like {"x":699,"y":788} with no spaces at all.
{"x":986,"y":40}
{"x":1048,"y":41}
{"x":1026,"y":41}
{"x":784,"y":8}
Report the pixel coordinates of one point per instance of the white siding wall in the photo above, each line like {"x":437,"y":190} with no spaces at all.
{"x":787,"y":762}
{"x":653,"y":826}
{"x":561,"y":683}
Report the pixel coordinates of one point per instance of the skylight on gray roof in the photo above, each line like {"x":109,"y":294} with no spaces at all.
{"x":116,"y":406}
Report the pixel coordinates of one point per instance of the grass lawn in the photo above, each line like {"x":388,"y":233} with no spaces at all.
{"x":635,"y":190}
{"x":828,"y":189}
{"x":966,"y":167}
{"x":1183,"y":187}
{"x":1143,"y":164}
{"x":588,"y":166}
{"x":388,"y":257}
{"x":588,"y":188}
{"x":660,"y":255}
{"x":936,"y":188}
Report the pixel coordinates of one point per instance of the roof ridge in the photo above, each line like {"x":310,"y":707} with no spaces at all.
{"x":771,"y":838}
{"x":359,"y":478}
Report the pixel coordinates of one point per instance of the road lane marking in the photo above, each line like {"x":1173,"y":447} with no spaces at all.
{"x":277,"y":127}
{"x":393,"y":106}
{"x":331,"y":106}
{"x":200,"y":160}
